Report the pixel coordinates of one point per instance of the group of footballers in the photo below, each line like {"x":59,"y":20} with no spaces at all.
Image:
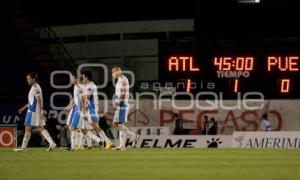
{"x":83,"y":111}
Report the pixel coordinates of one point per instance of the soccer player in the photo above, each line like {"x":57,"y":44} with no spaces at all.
{"x":91,"y":97}
{"x":121,"y":106}
{"x":34,"y":115}
{"x":77,"y":109}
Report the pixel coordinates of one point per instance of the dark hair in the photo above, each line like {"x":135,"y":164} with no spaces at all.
{"x":205,"y":117}
{"x":33,"y":75}
{"x":74,"y":73}
{"x":213,"y":119}
{"x":265,"y":116}
{"x":88,"y":74}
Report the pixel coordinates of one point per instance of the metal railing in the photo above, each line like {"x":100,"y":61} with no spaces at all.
{"x":57,"y":49}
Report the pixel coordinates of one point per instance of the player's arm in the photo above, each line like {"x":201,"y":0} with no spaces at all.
{"x":122,"y":95}
{"x":40,"y":107}
{"x":22,"y":109}
{"x":70,"y":105}
{"x":84,"y":108}
{"x":124,"y":90}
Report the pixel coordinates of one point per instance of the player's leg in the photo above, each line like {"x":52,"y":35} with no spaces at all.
{"x":77,"y":137}
{"x":73,"y":139}
{"x":47,"y":136}
{"x":84,"y":134}
{"x":26,"y":139}
{"x":93,"y":119}
{"x":122,"y":139}
{"x":102,"y":135}
{"x":92,"y":136}
{"x":68,"y":123}
{"x":75,"y":122}
{"x":81,"y":140}
{"x":88,"y":141}
{"x":119,"y":119}
{"x":27,"y":134}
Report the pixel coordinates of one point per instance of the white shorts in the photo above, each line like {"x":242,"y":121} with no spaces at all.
{"x":85,"y":125}
{"x":121,"y":113}
{"x":70,"y":116}
{"x":92,"y":116}
{"x":31,"y":119}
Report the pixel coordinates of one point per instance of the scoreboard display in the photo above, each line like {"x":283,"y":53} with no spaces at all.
{"x":232,"y":67}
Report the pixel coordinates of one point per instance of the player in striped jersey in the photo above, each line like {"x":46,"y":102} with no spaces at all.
{"x":34,"y":115}
{"x":77,"y":109}
{"x":121,"y":106}
{"x":91,"y":97}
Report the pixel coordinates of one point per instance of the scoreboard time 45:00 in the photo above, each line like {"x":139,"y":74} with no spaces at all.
{"x":275,"y":75}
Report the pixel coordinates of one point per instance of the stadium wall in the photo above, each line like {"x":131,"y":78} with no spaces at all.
{"x":284,"y":115}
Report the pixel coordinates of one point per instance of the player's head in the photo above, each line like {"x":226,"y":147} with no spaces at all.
{"x":31,"y":77}
{"x":116,"y":72}
{"x":86,"y":76}
{"x":73,"y":78}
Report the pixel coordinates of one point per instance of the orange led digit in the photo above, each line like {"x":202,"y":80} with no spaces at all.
{"x":218,"y":62}
{"x":249,"y":63}
{"x":239,"y":65}
{"x":285,"y":86}
{"x":226,"y":64}
{"x":236,"y":85}
{"x":188,"y":86}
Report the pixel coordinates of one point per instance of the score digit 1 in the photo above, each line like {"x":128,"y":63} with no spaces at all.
{"x":285,"y":85}
{"x":188,"y":86}
{"x":236,"y":85}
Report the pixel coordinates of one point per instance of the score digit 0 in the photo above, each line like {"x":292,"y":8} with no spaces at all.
{"x":285,"y":85}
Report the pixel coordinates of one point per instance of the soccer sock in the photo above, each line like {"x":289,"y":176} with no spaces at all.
{"x":26,"y":139}
{"x":88,"y":141}
{"x":93,"y":136}
{"x":77,"y":135}
{"x":73,"y":139}
{"x":81,"y":139}
{"x":129,"y":133}
{"x":122,"y":138}
{"x":103,"y":136}
{"x":47,"y":136}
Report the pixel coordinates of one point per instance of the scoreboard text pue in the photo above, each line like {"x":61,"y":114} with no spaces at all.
{"x":232,"y":67}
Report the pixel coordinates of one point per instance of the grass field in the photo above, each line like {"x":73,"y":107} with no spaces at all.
{"x":144,"y":164}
